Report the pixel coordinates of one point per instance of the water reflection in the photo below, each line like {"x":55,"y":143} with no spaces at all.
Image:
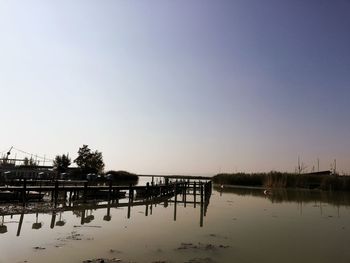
{"x":85,"y":210}
{"x":334,"y":198}
{"x":3,"y":228}
{"x":37,"y":225}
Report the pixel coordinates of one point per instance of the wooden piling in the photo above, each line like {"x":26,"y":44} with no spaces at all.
{"x":184,"y":194}
{"x":175,"y":203}
{"x":131,"y":192}
{"x":194,"y":194}
{"x":24,"y":191}
{"x":202,"y":194}
{"x":147,"y":191}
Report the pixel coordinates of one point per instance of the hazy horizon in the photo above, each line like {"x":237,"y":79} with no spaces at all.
{"x":178,"y":87}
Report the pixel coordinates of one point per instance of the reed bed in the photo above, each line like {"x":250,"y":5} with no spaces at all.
{"x":285,"y":180}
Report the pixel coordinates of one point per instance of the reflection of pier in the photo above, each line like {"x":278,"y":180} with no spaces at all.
{"x":149,"y":196}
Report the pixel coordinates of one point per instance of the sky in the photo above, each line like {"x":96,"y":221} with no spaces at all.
{"x":178,"y":87}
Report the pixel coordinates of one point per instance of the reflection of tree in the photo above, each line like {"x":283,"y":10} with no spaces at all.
{"x":89,"y":218}
{"x":77,"y":213}
{"x":29,"y":161}
{"x":61,"y":163}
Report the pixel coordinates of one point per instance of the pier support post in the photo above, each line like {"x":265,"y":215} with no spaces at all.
{"x":56,"y":192}
{"x":131,"y":192}
{"x":175,"y":203}
{"x":85,"y":191}
{"x":147,"y":191}
{"x":110,"y":190}
{"x":194,"y":194}
{"x":24,"y":191}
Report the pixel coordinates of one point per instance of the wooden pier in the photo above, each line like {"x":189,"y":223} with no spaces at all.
{"x":81,"y":197}
{"x":84,"y":190}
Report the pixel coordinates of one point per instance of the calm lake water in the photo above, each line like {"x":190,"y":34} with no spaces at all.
{"x":241,"y":225}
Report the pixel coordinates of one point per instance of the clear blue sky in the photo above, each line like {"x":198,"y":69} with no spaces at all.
{"x":178,"y":86}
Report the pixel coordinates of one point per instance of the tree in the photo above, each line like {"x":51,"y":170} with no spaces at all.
{"x":301,"y":167}
{"x":29,"y":161}
{"x":88,"y":161}
{"x":61,"y":163}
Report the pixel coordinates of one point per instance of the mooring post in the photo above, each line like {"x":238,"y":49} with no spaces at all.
{"x":194,"y":194}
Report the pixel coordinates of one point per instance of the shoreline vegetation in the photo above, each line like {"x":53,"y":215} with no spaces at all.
{"x":274,"y":179}
{"x":291,"y":195}
{"x":122,"y":177}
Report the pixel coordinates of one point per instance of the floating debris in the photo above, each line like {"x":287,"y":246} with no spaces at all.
{"x":39,"y":248}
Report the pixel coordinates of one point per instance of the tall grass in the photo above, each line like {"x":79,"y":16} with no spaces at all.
{"x":285,"y":180}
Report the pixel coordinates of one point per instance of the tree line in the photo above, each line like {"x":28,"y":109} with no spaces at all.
{"x":88,"y":161}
